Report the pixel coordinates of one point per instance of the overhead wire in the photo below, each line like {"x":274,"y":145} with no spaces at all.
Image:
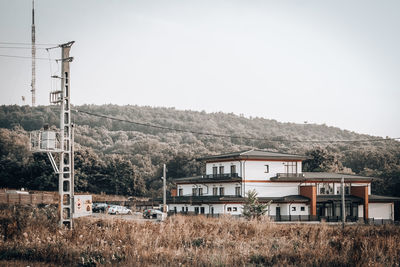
{"x":16,"y":47}
{"x":231,"y":136}
{"x":12,"y":43}
{"x":26,"y":57}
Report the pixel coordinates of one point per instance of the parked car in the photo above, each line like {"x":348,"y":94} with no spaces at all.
{"x":151,"y":213}
{"x":119,"y":210}
{"x":99,"y":207}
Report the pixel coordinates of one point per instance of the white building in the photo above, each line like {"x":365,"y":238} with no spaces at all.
{"x":278,"y":179}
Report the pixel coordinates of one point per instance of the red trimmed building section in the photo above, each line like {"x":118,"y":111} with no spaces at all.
{"x":361,"y":192}
{"x":310,"y":192}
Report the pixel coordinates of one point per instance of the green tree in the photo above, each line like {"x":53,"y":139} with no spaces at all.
{"x":320,"y":160}
{"x":252,"y":209}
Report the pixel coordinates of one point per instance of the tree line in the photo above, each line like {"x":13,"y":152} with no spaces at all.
{"x":116,"y":157}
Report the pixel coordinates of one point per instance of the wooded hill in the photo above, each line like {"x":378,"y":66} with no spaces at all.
{"x":119,"y":157}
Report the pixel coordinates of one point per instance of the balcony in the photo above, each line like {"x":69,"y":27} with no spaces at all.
{"x":223,"y":175}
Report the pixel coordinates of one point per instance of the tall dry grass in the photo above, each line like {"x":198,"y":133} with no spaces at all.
{"x":32,"y":235}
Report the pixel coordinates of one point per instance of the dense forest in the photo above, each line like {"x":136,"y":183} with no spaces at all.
{"x":118,"y":157}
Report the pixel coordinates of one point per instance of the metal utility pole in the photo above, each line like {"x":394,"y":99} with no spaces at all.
{"x":33,"y":82}
{"x":164,"y":188}
{"x":65,"y":179}
{"x":61,"y":142}
{"x":343,"y":204}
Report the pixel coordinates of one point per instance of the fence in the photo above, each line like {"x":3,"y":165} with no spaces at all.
{"x":27,"y":199}
{"x":298,"y":218}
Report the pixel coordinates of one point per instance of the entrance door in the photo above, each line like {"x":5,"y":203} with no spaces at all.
{"x":278,"y":213}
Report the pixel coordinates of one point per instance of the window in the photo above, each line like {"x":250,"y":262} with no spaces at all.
{"x":221,"y":191}
{"x":215,"y":191}
{"x":194,"y":191}
{"x":237,"y":191}
{"x":215,"y":170}
{"x":291,"y":167}
{"x":196,"y":210}
{"x":229,"y":209}
{"x":202,"y":210}
{"x":187,"y":209}
{"x":180,"y":192}
{"x":183,"y":209}
{"x":326,"y":188}
{"x":175,"y":210}
{"x":302,"y":208}
{"x":266,"y":168}
{"x":347,"y":190}
{"x":200,"y":191}
{"x":234,"y":208}
{"x":293,"y":208}
{"x":233,"y":169}
{"x":221,"y":170}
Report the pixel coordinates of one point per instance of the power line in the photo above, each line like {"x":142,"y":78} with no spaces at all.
{"x":10,"y":43}
{"x":18,"y":47}
{"x":27,"y":57}
{"x":231,"y":136}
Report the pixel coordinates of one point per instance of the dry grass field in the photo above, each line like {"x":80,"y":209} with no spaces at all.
{"x":31,"y":235}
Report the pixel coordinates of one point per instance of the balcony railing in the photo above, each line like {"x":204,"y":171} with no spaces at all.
{"x":290,"y":175}
{"x":221,"y":175}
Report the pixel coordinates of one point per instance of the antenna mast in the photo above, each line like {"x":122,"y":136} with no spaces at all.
{"x":33,"y":83}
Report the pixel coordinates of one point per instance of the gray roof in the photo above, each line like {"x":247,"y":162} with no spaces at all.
{"x":285,"y":199}
{"x":255,"y":153}
{"x":202,"y":179}
{"x":384,"y":199}
{"x":338,"y":198}
{"x":321,"y":176}
{"x":330,"y":175}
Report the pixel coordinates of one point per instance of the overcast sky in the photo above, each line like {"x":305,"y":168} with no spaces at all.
{"x":334,"y":62}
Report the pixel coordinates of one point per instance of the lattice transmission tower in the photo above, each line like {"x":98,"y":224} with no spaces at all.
{"x":33,"y":35}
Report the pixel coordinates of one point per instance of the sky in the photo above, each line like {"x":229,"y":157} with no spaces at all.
{"x":333,"y":62}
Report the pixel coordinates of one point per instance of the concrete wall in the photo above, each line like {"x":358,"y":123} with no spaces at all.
{"x":253,"y":169}
{"x":272,"y":189}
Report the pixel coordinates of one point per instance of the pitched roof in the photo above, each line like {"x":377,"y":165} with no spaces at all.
{"x":255,"y":153}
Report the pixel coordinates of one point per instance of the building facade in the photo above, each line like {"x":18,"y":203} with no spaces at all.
{"x":279,"y":181}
